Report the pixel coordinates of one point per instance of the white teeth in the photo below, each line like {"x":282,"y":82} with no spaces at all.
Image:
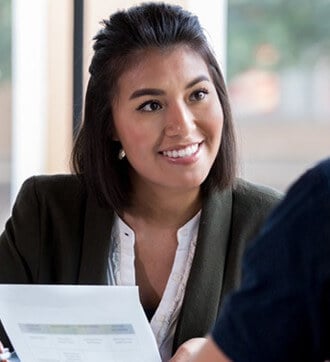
{"x":183,"y":152}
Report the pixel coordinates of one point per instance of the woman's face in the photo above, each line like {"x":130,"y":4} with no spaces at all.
{"x":169,"y":119}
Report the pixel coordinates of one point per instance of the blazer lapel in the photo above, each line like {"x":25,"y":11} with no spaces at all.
{"x":96,"y":243}
{"x":203,"y":290}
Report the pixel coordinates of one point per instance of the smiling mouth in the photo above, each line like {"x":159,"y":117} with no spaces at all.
{"x":182,"y":152}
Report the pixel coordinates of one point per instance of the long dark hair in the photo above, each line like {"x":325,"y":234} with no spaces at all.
{"x":123,"y":35}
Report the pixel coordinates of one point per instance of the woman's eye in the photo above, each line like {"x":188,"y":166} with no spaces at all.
{"x":199,"y":95}
{"x":149,"y":106}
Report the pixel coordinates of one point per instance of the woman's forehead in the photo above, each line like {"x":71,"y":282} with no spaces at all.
{"x":152,"y":61}
{"x":141,"y":57}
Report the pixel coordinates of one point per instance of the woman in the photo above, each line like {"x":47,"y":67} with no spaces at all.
{"x":155,"y":200}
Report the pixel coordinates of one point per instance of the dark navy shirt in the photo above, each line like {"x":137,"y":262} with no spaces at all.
{"x":282,"y":309}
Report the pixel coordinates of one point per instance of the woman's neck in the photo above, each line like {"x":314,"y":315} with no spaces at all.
{"x":167,"y":208}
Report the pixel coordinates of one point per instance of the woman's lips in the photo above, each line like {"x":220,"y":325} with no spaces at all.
{"x":182,"y":152}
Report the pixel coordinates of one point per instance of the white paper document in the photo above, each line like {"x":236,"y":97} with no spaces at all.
{"x":48,"y":323}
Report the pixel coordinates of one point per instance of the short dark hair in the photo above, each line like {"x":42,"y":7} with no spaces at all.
{"x":123,"y":35}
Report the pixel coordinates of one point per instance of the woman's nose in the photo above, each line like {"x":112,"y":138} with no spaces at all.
{"x":179,"y":121}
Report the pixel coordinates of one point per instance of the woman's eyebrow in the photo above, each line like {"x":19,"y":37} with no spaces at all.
{"x":146,"y":92}
{"x":158,"y":92}
{"x":198,"y":79}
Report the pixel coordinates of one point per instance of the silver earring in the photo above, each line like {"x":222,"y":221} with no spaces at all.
{"x":121,"y":154}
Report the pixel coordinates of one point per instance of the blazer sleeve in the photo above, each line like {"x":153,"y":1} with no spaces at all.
{"x":42,"y":240}
{"x":20,"y":241}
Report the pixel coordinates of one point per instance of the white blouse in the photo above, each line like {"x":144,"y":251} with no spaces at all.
{"x":121,"y":271}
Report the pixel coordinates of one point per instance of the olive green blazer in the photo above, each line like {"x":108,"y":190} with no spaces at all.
{"x":58,"y":234}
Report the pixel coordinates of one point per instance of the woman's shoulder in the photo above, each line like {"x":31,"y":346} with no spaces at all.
{"x":252,"y":203}
{"x":254,"y":195}
{"x":61,"y":186}
{"x":57,"y":180}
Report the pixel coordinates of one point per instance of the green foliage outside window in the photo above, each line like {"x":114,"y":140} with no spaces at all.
{"x":276,"y":33}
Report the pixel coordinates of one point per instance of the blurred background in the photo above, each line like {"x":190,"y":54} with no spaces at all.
{"x":275,"y":55}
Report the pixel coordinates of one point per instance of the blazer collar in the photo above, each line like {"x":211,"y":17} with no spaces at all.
{"x":96,"y":243}
{"x":205,"y":283}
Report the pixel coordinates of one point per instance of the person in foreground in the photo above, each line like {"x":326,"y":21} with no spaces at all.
{"x":281,"y":312}
{"x":154,"y":200}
